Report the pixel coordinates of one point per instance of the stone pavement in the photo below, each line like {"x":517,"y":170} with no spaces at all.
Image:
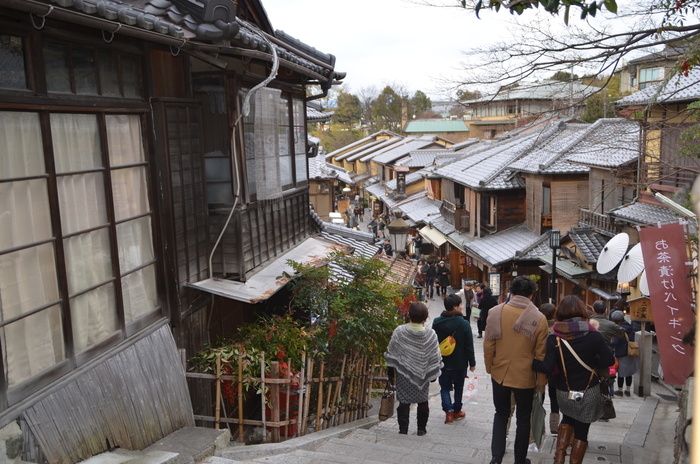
{"x":643,"y":432}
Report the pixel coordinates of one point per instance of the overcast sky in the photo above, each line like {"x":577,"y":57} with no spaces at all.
{"x":386,"y":42}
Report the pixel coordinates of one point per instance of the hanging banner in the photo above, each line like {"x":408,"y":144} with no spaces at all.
{"x":667,"y":267}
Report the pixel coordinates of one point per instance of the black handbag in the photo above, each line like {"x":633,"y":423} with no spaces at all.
{"x":606,"y":399}
{"x":585,"y":406}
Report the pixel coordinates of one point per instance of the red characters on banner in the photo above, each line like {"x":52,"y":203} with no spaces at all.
{"x":667,"y":268}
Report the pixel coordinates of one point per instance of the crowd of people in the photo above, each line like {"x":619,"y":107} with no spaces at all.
{"x":567,"y":350}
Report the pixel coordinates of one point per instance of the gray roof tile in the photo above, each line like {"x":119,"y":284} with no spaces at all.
{"x":589,"y":243}
{"x":320,"y":169}
{"x":502,"y":246}
{"x":643,"y":213}
{"x":678,"y":89}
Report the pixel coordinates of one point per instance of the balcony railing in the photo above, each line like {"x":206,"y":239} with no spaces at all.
{"x":601,"y":223}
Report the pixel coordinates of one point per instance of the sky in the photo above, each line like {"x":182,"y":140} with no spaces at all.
{"x":387,"y":42}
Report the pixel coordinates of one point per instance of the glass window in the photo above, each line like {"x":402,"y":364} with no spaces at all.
{"x":32,"y":303}
{"x":84,"y":72}
{"x":57,"y":70}
{"x":650,"y":75}
{"x":109,"y":74}
{"x":12,"y":67}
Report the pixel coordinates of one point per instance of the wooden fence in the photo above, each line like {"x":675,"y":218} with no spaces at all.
{"x":323,"y":394}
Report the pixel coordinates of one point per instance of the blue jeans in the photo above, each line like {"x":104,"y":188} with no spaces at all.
{"x":452,"y":379}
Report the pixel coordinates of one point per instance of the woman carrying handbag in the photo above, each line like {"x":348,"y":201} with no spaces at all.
{"x":578,"y":350}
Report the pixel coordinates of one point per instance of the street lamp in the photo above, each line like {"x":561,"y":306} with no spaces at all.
{"x":398,"y":229}
{"x":623,"y":288}
{"x":554,"y":244}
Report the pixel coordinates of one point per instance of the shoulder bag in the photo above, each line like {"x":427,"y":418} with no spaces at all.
{"x":584,"y":406}
{"x":386,"y":407}
{"x":447,"y":346}
{"x":632,"y":347}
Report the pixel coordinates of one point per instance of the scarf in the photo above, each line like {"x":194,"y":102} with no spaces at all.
{"x":525,"y":324}
{"x":414,"y":354}
{"x":572,"y":328}
{"x":452,"y":313}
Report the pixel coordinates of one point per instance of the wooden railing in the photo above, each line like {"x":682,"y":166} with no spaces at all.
{"x":598,"y":222}
{"x":294,"y":404}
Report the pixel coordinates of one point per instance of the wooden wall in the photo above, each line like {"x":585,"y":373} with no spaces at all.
{"x":130,"y":399}
{"x":510,"y":209}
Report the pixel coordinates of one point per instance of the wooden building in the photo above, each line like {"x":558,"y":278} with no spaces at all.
{"x":136,"y":166}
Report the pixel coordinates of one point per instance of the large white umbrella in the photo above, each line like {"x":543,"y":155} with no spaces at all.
{"x":632,"y":264}
{"x":643,"y":284}
{"x":612,"y":253}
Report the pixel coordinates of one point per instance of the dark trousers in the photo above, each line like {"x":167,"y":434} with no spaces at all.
{"x":523,"y":410}
{"x":429,"y":288}
{"x":580,"y":428}
{"x":552,"y":391}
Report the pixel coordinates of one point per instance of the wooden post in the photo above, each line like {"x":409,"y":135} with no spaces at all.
{"x":287,"y":412}
{"x":319,"y":404}
{"x":309,"y":378}
{"x":275,"y":401}
{"x":338,"y":387}
{"x":302,"y":389}
{"x":217,"y":411}
{"x":240,"y":398}
{"x":262,"y":396}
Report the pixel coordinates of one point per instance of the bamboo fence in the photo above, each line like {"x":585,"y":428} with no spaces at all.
{"x":311,"y":400}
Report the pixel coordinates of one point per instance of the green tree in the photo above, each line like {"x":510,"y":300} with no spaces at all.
{"x":585,"y":7}
{"x":467,"y":95}
{"x":563,"y":76}
{"x":419,"y":104}
{"x":388,"y":110}
{"x":600,"y":104}
{"x":348,"y":111}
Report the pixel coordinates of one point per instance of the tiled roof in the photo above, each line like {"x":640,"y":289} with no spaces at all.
{"x":401,"y":149}
{"x":392,"y":203}
{"x":643,"y":213}
{"x":607,"y":143}
{"x":589,"y":243}
{"x":420,"y":210}
{"x":535,"y":250}
{"x":320,"y":169}
{"x":316,"y":115}
{"x":383,"y":134}
{"x":678,"y":89}
{"x":422,"y":158}
{"x":544,"y":90}
{"x":546,"y":156}
{"x":375,"y":150}
{"x":361,"y":247}
{"x":485,"y":168}
{"x":435,"y":125}
{"x":502,"y":246}
{"x":401,"y":271}
{"x":198,"y":26}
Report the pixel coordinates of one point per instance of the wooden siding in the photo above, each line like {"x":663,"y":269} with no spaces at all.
{"x":510,"y":209}
{"x":567,"y":198}
{"x":129,"y":400}
{"x":258,"y":232}
{"x":184,"y":212}
{"x":533,"y":203}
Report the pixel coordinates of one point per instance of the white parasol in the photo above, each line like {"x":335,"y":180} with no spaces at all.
{"x":643,"y":284}
{"x":612,"y":253}
{"x":632,"y":264}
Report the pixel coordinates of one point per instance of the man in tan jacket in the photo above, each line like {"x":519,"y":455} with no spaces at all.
{"x":516,"y":332}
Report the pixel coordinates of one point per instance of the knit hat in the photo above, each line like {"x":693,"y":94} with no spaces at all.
{"x":617,"y":316}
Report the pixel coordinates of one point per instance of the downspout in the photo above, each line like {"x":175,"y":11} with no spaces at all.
{"x":245,"y":110}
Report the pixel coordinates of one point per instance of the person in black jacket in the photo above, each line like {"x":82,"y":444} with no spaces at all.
{"x":454,"y":370}
{"x":430,"y":274}
{"x":571,"y":327}
{"x":487,"y":302}
{"x":443,"y":278}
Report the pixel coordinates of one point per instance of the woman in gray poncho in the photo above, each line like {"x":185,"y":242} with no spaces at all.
{"x":414,"y":360}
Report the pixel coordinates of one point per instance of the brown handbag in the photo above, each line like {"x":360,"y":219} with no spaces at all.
{"x":386,"y":407}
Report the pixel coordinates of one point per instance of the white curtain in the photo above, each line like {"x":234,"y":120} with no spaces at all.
{"x":266,"y":142}
{"x":28,"y":276}
{"x":82,"y":204}
{"x":134,"y":236}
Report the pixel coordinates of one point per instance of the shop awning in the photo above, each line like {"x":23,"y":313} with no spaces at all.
{"x":434,"y":236}
{"x":270,"y":278}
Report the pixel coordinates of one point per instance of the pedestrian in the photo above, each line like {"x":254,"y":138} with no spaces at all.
{"x":608,"y":329}
{"x":430,"y":275}
{"x":418,"y":245}
{"x":467,"y":294}
{"x":627,"y":365}
{"x":487,"y":302}
{"x":454,"y":369}
{"x":373,"y":227}
{"x":548,"y":309}
{"x":362,"y":212}
{"x":516,"y":333}
{"x":388,"y":250}
{"x":575,"y":351}
{"x":413,"y":360}
{"x":443,"y":278}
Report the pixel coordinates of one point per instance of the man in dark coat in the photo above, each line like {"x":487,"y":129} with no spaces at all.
{"x":443,"y":278}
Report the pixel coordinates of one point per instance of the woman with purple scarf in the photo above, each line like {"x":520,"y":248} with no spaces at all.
{"x":578,"y":351}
